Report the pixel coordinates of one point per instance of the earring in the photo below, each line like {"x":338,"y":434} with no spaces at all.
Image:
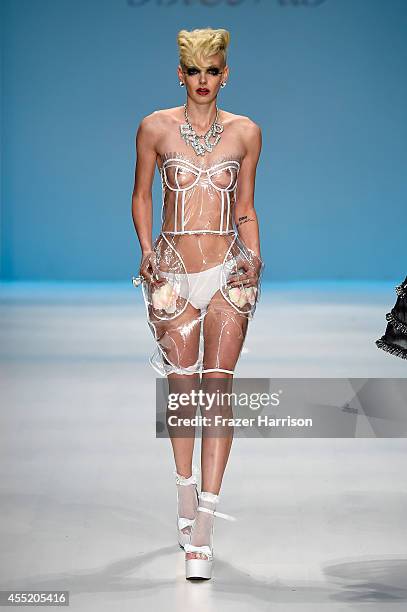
{"x":223,"y":84}
{"x":181,"y":83}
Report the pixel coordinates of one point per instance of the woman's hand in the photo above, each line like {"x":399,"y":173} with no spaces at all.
{"x":250,"y":275}
{"x":148,"y":267}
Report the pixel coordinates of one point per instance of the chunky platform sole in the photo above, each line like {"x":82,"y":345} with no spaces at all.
{"x":201,"y":568}
{"x":198,"y":569}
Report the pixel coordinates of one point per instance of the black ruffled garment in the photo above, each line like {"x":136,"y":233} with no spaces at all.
{"x":394,"y":340}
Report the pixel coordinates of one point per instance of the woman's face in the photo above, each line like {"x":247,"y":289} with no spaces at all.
{"x":203,"y":83}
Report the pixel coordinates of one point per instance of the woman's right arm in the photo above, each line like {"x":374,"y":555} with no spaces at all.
{"x":141,"y":201}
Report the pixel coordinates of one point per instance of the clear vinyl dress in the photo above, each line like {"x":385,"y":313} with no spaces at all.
{"x":199,"y":323}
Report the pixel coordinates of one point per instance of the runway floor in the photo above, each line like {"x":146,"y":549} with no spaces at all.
{"x":88,"y":494}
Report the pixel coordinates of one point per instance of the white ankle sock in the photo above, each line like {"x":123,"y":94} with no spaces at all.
{"x":187,"y":499}
{"x":201,"y":533}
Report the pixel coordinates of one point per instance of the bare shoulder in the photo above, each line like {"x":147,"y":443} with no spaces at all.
{"x":249,"y":132}
{"x":242,"y":123}
{"x":162,"y":117}
{"x":249,"y":129}
{"x":151,"y":123}
{"x":159,"y":121}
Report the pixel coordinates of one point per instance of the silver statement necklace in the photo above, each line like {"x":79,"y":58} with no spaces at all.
{"x":192,"y":138}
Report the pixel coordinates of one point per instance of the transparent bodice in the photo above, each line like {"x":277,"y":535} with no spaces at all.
{"x":196,"y":251}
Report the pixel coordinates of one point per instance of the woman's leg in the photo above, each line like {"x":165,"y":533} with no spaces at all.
{"x":182,"y":440}
{"x":216,"y":440}
{"x":224,"y":333}
{"x":179,"y":341}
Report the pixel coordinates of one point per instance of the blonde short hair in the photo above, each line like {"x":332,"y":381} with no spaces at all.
{"x":196,"y":45}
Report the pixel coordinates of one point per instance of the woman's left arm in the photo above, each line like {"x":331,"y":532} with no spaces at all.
{"x":244,"y":212}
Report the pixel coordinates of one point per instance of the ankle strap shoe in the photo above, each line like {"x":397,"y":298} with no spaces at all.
{"x":200,"y":567}
{"x":184,"y":524}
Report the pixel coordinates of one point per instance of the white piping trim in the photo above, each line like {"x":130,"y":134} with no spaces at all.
{"x":228,"y":211}
{"x":176,"y":211}
{"x":217,"y":370}
{"x":222,"y":203}
{"x":182,"y":211}
{"x":199,"y":232}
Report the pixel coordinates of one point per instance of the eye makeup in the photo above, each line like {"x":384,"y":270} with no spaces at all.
{"x":212,"y":70}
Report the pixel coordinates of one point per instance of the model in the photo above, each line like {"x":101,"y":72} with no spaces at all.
{"x":201,"y":276}
{"x":394,"y":340}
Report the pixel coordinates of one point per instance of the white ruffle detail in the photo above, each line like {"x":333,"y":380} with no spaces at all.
{"x":182,"y":480}
{"x":209,"y":497}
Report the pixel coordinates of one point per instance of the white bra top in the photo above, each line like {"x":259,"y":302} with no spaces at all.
{"x":180,"y":175}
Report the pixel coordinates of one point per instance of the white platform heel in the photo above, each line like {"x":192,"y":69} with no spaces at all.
{"x":184,"y":535}
{"x":201,"y":568}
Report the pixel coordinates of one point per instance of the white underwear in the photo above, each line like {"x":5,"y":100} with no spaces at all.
{"x":202,"y":285}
